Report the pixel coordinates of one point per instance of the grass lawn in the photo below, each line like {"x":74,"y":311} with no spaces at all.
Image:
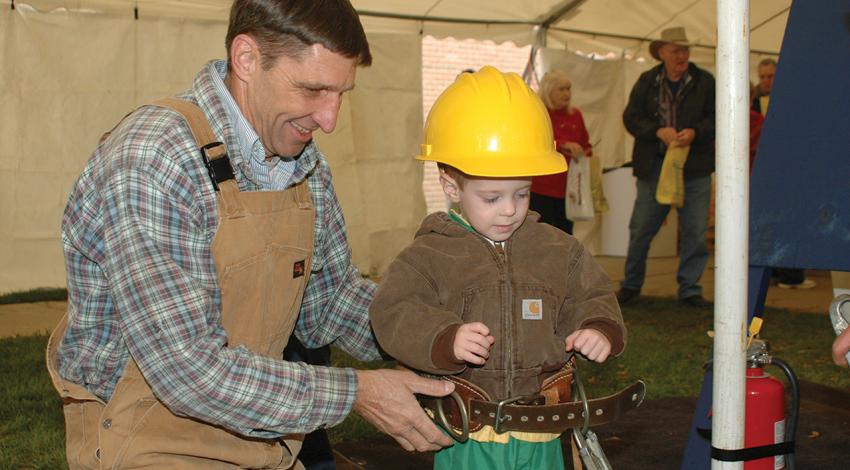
{"x":666,"y":348}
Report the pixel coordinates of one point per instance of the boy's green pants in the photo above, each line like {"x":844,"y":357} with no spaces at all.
{"x":516,"y":454}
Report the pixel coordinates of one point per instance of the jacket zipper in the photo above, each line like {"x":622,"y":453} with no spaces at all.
{"x":501,"y":256}
{"x":507,"y":313}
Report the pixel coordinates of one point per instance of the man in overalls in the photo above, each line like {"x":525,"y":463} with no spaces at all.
{"x":201,"y":233}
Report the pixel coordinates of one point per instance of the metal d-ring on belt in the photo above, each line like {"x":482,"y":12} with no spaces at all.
{"x":463,"y":435}
{"x":587,"y":443}
{"x":441,"y":419}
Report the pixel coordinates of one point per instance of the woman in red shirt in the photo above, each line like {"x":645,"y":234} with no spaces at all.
{"x":571,"y":138}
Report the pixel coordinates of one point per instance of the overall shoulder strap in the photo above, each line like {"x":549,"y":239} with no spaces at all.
{"x":212,"y":151}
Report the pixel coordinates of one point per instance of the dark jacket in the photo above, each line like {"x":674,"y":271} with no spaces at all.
{"x":695,"y":111}
{"x":449,"y":276}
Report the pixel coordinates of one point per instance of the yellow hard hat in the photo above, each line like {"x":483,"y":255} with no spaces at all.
{"x":490,"y":123}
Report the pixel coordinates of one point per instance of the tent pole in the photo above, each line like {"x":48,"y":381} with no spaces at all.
{"x":731,"y":257}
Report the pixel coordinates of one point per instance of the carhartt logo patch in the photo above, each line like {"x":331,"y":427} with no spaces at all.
{"x":532,"y":309}
{"x":298,"y":269}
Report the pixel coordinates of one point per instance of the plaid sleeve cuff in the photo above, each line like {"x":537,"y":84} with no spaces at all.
{"x":335,"y":392}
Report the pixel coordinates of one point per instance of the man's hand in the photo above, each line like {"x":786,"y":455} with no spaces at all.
{"x":472,"y":343}
{"x":590,"y":343}
{"x":685,"y":137}
{"x":385,"y":399}
{"x":841,"y":347}
{"x":667,"y":135}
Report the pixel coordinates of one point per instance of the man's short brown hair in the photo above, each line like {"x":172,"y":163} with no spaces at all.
{"x":768,"y":61}
{"x":288,"y":27}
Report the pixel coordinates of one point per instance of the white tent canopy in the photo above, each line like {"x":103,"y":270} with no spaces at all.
{"x":614,"y":24}
{"x":72,"y":68}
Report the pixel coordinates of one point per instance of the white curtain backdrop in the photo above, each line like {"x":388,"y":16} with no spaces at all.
{"x":70,"y":69}
{"x":67,"y":77}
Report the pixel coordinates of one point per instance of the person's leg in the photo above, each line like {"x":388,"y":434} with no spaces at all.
{"x":551,"y":210}
{"x":646,"y":220}
{"x":789,"y":275}
{"x":693,"y":223}
{"x":793,"y":279}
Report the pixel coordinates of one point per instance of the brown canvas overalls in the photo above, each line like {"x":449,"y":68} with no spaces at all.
{"x":262,"y":251}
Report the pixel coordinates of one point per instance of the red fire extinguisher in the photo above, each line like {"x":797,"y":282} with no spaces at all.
{"x":765,"y":417}
{"x":765,"y":422}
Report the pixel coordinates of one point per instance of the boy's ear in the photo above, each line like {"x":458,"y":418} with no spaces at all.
{"x":450,"y":186}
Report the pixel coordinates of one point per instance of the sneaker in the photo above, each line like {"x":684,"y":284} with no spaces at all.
{"x":806,"y":284}
{"x":695,"y":301}
{"x":627,"y":296}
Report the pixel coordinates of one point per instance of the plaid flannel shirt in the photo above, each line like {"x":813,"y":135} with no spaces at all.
{"x":137,"y":234}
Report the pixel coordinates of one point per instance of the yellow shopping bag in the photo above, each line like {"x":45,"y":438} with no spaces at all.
{"x":600,"y":202}
{"x":671,"y":182}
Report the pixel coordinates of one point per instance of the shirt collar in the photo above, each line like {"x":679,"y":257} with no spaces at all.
{"x":662,"y":75}
{"x":461,"y":220}
{"x":247,"y":140}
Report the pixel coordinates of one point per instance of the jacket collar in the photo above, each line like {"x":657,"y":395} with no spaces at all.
{"x":689,"y":76}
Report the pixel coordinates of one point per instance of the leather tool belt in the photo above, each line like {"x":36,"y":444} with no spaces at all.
{"x":469,"y":408}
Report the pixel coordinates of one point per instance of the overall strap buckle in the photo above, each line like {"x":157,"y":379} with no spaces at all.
{"x":217,"y":163}
{"x":213,"y":152}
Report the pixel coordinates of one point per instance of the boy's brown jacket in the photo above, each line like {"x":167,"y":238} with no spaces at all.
{"x":449,"y":276}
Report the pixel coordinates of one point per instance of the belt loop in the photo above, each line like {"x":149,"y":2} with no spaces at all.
{"x":231,"y":206}
{"x":302,"y":195}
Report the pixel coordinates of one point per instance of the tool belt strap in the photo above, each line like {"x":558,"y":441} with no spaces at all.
{"x":560,"y":417}
{"x":555,"y":418}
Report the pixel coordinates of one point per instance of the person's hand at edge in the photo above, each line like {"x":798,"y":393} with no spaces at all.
{"x":385,"y":399}
{"x":840,"y":348}
{"x":573,"y":149}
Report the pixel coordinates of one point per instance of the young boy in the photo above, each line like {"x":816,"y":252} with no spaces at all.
{"x":488,"y":294}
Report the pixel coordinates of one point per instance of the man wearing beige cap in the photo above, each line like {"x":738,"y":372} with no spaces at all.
{"x":671,"y":105}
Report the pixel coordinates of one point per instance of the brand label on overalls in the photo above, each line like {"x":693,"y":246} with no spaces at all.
{"x":298,"y":269}
{"x":532,"y":309}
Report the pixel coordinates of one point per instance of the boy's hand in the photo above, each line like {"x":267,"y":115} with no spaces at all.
{"x":472,"y":343}
{"x":590,"y":343}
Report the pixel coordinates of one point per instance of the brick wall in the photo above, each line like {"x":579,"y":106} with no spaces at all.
{"x":442,"y":60}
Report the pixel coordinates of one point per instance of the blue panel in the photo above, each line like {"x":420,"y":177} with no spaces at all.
{"x":800,"y":186}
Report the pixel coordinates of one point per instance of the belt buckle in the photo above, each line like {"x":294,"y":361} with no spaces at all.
{"x":500,"y":408}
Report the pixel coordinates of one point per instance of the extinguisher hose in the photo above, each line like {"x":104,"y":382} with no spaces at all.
{"x":791,"y":429}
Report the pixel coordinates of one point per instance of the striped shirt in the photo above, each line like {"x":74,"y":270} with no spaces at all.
{"x":137,"y":234}
{"x":273,"y":174}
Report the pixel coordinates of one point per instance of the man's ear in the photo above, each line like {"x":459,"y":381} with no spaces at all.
{"x":245,"y":58}
{"x":450,"y":186}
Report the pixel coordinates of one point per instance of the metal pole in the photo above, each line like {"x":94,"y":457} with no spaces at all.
{"x":730,"y":306}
